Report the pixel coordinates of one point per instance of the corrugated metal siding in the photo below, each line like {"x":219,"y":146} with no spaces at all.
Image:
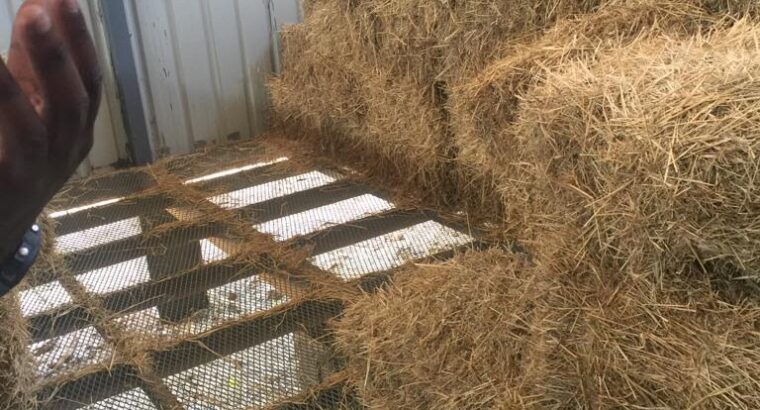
{"x":110,"y":137}
{"x":202,"y":67}
{"x":206,"y":63}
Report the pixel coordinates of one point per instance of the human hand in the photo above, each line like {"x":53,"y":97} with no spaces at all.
{"x":49,"y":97}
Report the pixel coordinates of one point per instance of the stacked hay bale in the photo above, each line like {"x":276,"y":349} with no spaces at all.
{"x":733,"y":8}
{"x":485,"y":108}
{"x":630,"y":127}
{"x":322,"y":92}
{"x":447,"y":40}
{"x":372,"y":78}
{"x":624,"y":146}
{"x":490,"y":331}
{"x":389,"y":125}
{"x":651,"y":153}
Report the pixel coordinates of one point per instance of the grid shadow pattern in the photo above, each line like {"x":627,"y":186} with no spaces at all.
{"x":206,"y":281}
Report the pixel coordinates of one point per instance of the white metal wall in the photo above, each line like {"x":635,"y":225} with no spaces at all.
{"x":206,"y":64}
{"x":202,"y":66}
{"x":110,"y":137}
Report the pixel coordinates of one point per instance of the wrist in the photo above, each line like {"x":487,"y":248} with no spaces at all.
{"x":13,"y":237}
{"x":14,"y":227}
{"x":15,"y":266}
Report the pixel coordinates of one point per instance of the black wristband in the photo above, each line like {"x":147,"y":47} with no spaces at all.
{"x":17,"y":265}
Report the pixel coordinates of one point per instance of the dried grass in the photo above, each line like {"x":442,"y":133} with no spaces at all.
{"x":393,"y":127}
{"x":17,"y":370}
{"x":489,"y":331}
{"x":431,"y":41}
{"x":316,"y":89}
{"x":652,"y":153}
{"x":370,"y":79}
{"x":484,"y":109}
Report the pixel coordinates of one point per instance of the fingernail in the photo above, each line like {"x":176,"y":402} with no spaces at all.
{"x":71,"y":6}
{"x":41,"y":22}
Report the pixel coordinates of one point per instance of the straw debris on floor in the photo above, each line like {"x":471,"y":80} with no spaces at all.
{"x":16,"y":363}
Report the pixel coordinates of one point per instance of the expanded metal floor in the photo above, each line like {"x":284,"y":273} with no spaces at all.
{"x":205,"y":282}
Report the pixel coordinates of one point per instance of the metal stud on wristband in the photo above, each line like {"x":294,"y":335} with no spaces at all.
{"x":17,"y":265}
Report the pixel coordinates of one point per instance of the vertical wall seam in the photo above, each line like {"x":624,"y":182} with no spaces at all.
{"x":138,"y":51}
{"x":274,"y":36}
{"x":190,"y":136}
{"x":250,"y":109}
{"x":220,"y":123}
{"x":111,"y":93}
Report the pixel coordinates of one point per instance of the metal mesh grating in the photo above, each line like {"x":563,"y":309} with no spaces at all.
{"x":391,"y":250}
{"x":113,"y":278}
{"x":178,"y":288}
{"x":282,"y":187}
{"x":254,"y":377}
{"x":227,"y":303}
{"x":321,"y":218}
{"x":131,"y":400}
{"x":70,"y":352}
{"x":102,"y":188}
{"x":43,"y":298}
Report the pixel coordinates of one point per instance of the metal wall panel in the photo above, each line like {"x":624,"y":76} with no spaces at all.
{"x":207,"y":63}
{"x":202,"y":67}
{"x":110,"y":137}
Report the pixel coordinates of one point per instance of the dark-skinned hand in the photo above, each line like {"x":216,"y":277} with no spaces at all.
{"x":49,"y":97}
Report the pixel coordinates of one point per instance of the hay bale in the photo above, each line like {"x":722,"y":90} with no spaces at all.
{"x":314,"y":89}
{"x":652,"y":153}
{"x":733,"y":8}
{"x":393,"y":127}
{"x":484,"y":109}
{"x":489,"y":331}
{"x":371,"y":78}
{"x":430,"y":341}
{"x":628,"y":343}
{"x":432,"y":41}
{"x":406,"y":127}
{"x":352,"y":66}
{"x":17,"y":370}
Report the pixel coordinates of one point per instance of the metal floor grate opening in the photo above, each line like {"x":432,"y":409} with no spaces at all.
{"x":204,"y":284}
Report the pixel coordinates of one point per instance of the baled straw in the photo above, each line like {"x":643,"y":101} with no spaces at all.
{"x":394,"y":127}
{"x":314,"y":90}
{"x":484,"y":109}
{"x":652,"y":153}
{"x":431,"y":41}
{"x":445,"y":337}
{"x":371,"y":78}
{"x":489,"y":331}
{"x":405,"y":125}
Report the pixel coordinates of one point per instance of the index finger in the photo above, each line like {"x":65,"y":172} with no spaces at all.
{"x":81,"y":48}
